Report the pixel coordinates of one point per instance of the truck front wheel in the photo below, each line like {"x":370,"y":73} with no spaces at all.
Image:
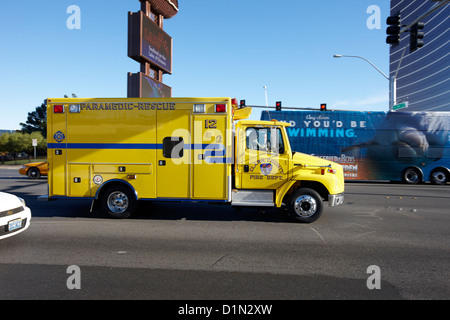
{"x":305,"y":205}
{"x":118,"y":201}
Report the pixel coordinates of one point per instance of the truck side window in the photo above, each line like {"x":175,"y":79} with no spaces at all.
{"x":252,"y":139}
{"x":279,"y":143}
{"x":173,"y":147}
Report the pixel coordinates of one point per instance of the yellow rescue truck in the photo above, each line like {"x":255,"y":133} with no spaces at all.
{"x":117,"y":151}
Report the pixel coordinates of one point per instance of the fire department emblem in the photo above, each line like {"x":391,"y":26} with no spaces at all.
{"x":266,"y":168}
{"x":59,"y":136}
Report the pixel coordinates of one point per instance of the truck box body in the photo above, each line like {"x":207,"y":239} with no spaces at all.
{"x":153,"y":146}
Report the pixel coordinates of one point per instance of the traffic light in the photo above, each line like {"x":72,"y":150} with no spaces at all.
{"x":393,"y":31}
{"x":416,"y":36}
{"x":278,"y":105}
{"x":323,"y":107}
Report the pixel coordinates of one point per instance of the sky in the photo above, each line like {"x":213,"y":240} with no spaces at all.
{"x":221,"y":48}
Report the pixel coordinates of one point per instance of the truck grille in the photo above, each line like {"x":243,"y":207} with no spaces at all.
{"x":11,"y":212}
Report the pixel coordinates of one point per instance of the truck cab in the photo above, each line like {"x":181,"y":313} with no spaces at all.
{"x":269,"y":173}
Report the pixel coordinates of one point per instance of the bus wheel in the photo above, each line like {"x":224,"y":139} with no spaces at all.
{"x":411,"y":176}
{"x":305,"y":205}
{"x":118,"y":201}
{"x":439,"y":176}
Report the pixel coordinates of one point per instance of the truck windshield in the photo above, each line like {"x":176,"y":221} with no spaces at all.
{"x":265,"y":139}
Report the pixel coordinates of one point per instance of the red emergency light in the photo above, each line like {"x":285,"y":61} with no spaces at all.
{"x":58,"y":108}
{"x":221,"y":108}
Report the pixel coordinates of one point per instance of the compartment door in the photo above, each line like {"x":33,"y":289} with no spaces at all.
{"x":210,"y":157}
{"x":79,"y":180}
{"x":173,"y":154}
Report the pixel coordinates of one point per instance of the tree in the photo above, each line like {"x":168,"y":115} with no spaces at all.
{"x":16,"y":143}
{"x":36,"y":121}
{"x":4,"y":145}
{"x":28,"y":143}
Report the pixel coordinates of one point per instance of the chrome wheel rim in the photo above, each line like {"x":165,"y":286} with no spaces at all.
{"x":305,"y":206}
{"x":117,"y":202}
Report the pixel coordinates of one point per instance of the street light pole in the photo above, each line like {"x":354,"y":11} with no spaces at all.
{"x":344,"y":56}
{"x":265,"y":92}
{"x":392,"y":80}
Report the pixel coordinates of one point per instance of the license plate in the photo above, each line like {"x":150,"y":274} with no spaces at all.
{"x":15,"y":224}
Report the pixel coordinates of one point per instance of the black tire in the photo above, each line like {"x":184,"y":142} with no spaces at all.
{"x":439,"y":176}
{"x":33,"y":173}
{"x":305,"y":205}
{"x":118,"y":201}
{"x":412,"y":176}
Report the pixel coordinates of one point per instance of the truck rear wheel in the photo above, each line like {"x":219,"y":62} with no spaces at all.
{"x":305,"y":205}
{"x":118,"y":201}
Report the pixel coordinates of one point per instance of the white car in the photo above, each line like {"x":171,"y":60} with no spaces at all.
{"x":15,"y":216}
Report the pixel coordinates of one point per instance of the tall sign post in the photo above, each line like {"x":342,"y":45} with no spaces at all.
{"x":34,"y":143}
{"x":149,"y":45}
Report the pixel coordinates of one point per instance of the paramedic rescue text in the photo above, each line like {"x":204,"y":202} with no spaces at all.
{"x":127,"y":106}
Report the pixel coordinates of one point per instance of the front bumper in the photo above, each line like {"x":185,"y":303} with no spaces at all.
{"x":24,"y":216}
{"x":335,"y":199}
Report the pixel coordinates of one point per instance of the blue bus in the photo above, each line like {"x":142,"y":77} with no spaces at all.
{"x":411,"y":147}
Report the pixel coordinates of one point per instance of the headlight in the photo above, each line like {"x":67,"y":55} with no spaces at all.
{"x":22,"y":200}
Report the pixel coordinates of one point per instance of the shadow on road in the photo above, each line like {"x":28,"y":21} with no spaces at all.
{"x":29,"y":190}
{"x":155,"y":211}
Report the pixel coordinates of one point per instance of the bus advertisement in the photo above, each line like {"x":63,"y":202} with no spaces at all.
{"x":411,"y":147}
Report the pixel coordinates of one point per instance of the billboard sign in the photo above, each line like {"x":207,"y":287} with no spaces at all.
{"x":147,"y":42}
{"x":142,"y":86}
{"x":371,"y":145}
